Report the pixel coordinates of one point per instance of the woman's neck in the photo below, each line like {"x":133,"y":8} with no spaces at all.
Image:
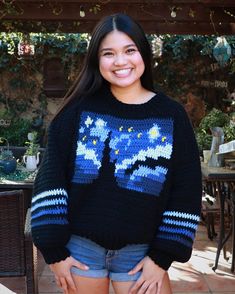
{"x":132,"y":95}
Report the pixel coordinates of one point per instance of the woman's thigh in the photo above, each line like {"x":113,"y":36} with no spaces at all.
{"x":166,"y":286}
{"x":86,"y":285}
{"x":124,"y":287}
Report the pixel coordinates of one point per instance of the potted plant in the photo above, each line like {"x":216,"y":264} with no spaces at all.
{"x":8,"y":162}
{"x":31,"y":156}
{"x":215,"y":118}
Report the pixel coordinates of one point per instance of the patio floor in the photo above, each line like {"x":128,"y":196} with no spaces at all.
{"x":195,"y":276}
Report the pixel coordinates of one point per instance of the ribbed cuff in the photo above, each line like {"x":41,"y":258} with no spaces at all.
{"x":53,"y":255}
{"x":161,"y":259}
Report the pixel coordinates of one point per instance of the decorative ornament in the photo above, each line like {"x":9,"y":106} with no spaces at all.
{"x":229,"y":13}
{"x":173,"y":12}
{"x":82,"y":11}
{"x":57,"y":8}
{"x":232,"y":95}
{"x":192,"y":13}
{"x":222,"y":51}
{"x":25,"y":49}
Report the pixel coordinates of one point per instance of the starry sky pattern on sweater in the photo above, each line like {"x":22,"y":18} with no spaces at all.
{"x":131,"y":145}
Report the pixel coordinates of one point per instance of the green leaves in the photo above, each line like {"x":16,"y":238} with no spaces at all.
{"x":215,"y":118}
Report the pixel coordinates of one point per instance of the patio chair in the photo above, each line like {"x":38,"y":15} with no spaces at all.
{"x":18,"y":256}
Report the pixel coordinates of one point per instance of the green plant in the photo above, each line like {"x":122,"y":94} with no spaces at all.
{"x":229,"y":133}
{"x":32,"y":145}
{"x":215,"y":118}
{"x":5,"y":154}
{"x":17,"y":131}
{"x":203,"y":141}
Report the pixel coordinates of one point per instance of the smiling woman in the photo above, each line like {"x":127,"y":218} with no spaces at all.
{"x":121,"y":64}
{"x":113,"y":197}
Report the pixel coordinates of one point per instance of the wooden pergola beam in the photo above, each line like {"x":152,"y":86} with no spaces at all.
{"x":150,"y":27}
{"x":160,"y":12}
{"x":222,"y":3}
{"x":192,"y":17}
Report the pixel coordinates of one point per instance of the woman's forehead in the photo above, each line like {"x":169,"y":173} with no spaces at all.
{"x":116,"y":39}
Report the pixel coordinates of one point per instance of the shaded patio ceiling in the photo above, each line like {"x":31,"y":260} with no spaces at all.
{"x":202,"y":17}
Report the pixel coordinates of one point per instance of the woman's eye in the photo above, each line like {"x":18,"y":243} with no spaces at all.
{"x":108,"y":54}
{"x":131,"y":50}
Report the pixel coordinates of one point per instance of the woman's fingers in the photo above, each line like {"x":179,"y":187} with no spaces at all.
{"x":136,"y":286}
{"x":57,"y":281}
{"x":159,"y":287}
{"x":64,"y":285}
{"x":152,"y":289}
{"x":70,"y":282}
{"x":143,"y":288}
{"x":62,"y":271}
{"x":137,"y":268}
{"x":65,"y":282}
{"x":80,"y":265}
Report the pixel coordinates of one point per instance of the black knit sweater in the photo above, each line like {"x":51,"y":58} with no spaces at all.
{"x":119,"y":174}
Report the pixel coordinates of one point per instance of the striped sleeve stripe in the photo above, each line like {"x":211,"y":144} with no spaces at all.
{"x":177,"y":231}
{"x":182,"y":215}
{"x":61,"y":221}
{"x":54,"y":192}
{"x":50,"y":212}
{"x":175,"y":238}
{"x":180,"y":223}
{"x":45,"y":203}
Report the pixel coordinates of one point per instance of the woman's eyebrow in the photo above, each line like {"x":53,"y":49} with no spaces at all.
{"x":126,"y":46}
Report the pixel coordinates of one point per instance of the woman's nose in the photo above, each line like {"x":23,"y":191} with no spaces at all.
{"x":120,"y":59}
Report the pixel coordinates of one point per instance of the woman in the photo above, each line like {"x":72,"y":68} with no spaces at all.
{"x":117,"y":196}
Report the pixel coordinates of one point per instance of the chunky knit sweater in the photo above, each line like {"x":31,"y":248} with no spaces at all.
{"x":119,"y":174}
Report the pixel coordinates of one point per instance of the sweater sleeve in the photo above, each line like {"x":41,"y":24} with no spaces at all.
{"x":49,"y":207}
{"x":175,"y":235}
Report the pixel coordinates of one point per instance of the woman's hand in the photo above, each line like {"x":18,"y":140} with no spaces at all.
{"x":63,"y":275}
{"x":151,"y":279}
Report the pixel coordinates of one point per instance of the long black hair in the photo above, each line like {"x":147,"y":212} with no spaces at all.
{"x":90,"y":80}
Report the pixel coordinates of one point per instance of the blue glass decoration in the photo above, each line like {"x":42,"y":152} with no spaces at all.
{"x":8,"y":165}
{"x":222,"y":51}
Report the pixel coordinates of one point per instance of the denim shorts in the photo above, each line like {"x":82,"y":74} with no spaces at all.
{"x":114,"y":264}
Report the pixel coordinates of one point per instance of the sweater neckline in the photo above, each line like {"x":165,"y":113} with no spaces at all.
{"x":122,"y":106}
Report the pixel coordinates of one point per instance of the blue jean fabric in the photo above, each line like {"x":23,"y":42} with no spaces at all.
{"x":114,"y":264}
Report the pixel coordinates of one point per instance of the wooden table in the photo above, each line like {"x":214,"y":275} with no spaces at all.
{"x":223,"y":182}
{"x":9,"y":184}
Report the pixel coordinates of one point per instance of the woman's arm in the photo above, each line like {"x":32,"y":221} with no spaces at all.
{"x":175,"y":235}
{"x":50,"y":226}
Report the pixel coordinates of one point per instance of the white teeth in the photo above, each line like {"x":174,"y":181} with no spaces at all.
{"x":122,"y":71}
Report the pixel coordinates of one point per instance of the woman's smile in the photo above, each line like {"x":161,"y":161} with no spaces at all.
{"x":122,"y":73}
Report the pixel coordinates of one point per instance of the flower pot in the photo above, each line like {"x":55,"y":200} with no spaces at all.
{"x":31,"y":161}
{"x":8,"y":165}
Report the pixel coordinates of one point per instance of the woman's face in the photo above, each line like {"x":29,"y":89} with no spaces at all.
{"x":120,"y":62}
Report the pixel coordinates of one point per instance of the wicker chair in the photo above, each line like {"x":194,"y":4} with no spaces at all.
{"x":18,"y":256}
